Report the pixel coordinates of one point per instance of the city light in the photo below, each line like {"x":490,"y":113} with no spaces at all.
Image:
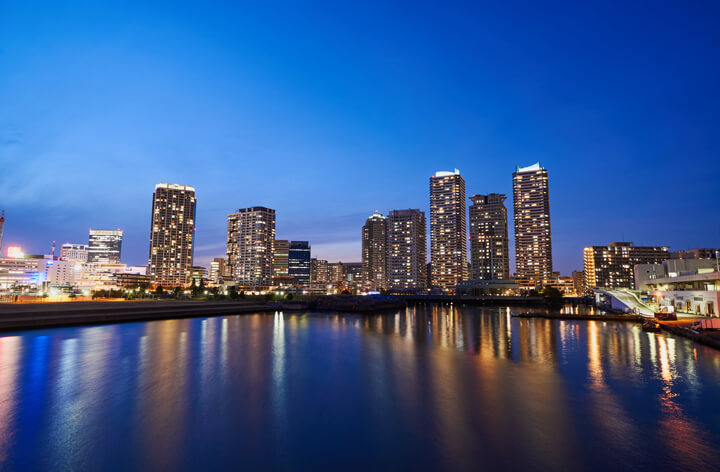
{"x":15,"y":252}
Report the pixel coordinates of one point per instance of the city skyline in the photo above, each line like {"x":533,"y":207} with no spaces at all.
{"x":130,"y":108}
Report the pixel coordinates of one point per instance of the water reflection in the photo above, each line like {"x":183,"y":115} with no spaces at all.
{"x":445,"y":387}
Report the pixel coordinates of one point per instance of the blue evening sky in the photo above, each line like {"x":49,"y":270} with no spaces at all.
{"x":327,"y":111}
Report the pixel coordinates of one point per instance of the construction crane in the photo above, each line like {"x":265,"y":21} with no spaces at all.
{"x":2,"y":226}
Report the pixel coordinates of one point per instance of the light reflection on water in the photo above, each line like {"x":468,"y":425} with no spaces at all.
{"x":431,"y":387}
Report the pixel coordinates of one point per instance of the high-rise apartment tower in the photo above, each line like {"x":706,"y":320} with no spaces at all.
{"x":533,"y":244}
{"x":406,"y":250}
{"x":172,"y":228}
{"x":448,"y":230}
{"x":489,"y":254}
{"x":250,"y":239}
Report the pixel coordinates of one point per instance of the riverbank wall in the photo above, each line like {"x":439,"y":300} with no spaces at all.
{"x":562,"y":316}
{"x":709,"y":338}
{"x":50,"y":315}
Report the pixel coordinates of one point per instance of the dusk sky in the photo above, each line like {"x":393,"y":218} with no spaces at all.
{"x":328,"y":111}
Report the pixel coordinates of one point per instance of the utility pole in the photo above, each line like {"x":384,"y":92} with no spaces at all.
{"x":2,"y":226}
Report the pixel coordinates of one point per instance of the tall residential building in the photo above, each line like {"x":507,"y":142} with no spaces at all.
{"x":612,"y":266}
{"x":354,"y":275}
{"x":104,"y":245}
{"x":217,"y":269}
{"x":338,"y":276}
{"x":319,"y":271}
{"x":406,"y":250}
{"x":448,"y":230}
{"x":250,"y":239}
{"x":579,"y":282}
{"x":172,"y":235}
{"x":299,"y":262}
{"x":74,"y":252}
{"x":489,"y":253}
{"x":281,"y":252}
{"x":533,"y":244}
{"x":374,"y":252}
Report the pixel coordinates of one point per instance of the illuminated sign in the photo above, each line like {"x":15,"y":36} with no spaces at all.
{"x":15,"y":252}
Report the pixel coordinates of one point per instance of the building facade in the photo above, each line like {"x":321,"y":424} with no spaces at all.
{"x":689,"y":285}
{"x":299,"y":262}
{"x":612,"y":266}
{"x":354,"y":276}
{"x":281,"y":253}
{"x":217,"y":270}
{"x":489,"y":253}
{"x":448,"y":230}
{"x":172,"y":234}
{"x":319,"y":271}
{"x":533,"y":242}
{"x":579,"y":283}
{"x":74,"y":252}
{"x":104,"y":246}
{"x":374,"y":252}
{"x":250,"y":240}
{"x":696,"y":253}
{"x":406,"y":250}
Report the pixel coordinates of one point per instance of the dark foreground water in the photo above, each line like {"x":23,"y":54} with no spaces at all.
{"x":428,"y":388}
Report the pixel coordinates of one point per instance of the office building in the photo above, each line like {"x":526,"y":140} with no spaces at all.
{"x":299,"y":263}
{"x":406,"y":250}
{"x":281,"y":253}
{"x":612,"y":266}
{"x":74,"y":252}
{"x":198,"y":276}
{"x":448,"y":230}
{"x":217,"y":270}
{"x":533,"y":243}
{"x":250,"y":239}
{"x":374,"y":252}
{"x":489,"y":254}
{"x":172,"y":235}
{"x":104,"y":246}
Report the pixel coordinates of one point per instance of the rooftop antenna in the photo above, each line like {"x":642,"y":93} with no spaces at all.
{"x":53,"y":251}
{"x":2,"y":226}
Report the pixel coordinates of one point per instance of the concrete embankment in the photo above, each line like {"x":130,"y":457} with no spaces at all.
{"x":563,"y":316}
{"x":45,"y":315}
{"x":710,"y":338}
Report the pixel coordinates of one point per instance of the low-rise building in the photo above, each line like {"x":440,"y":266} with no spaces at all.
{"x":695,"y":253}
{"x":479,"y":287}
{"x":26,"y":272}
{"x":689,"y":285}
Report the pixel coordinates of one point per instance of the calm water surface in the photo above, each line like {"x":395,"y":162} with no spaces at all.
{"x":428,"y":388}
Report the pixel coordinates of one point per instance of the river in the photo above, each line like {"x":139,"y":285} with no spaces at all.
{"x":429,"y":388}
